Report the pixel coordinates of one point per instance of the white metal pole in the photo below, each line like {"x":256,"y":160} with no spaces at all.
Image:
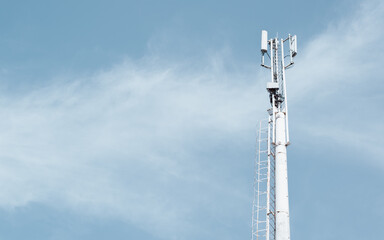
{"x":285,"y":92}
{"x":281,"y":176}
{"x":273,"y":97}
{"x":268,"y":178}
{"x":279,"y":134}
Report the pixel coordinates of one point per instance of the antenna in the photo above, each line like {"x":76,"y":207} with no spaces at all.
{"x":293,"y":45}
{"x":270,"y":211}
{"x":264,"y":41}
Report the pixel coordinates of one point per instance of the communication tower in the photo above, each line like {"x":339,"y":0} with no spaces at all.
{"x":270,"y":210}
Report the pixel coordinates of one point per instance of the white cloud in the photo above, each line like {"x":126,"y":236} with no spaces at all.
{"x":337,"y":81}
{"x":130,"y":143}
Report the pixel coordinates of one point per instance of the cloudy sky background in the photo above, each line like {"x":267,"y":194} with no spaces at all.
{"x":137,"y":119}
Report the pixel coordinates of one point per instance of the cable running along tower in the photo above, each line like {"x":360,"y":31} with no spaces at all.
{"x":270,"y":210}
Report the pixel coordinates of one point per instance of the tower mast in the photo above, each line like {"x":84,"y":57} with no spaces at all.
{"x":271,"y":204}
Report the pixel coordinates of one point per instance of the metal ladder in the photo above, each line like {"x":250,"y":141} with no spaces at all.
{"x":263,"y":207}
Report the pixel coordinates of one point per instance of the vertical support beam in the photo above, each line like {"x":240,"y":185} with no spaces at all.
{"x":281,"y":176}
{"x":273,"y":55}
{"x":285,"y":91}
{"x":268,"y":178}
{"x":276,"y":41}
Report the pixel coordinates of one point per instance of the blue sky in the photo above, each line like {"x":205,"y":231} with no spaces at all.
{"x":137,"y":119}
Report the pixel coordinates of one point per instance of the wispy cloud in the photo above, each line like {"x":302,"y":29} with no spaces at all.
{"x":133,"y":142}
{"x":337,"y":82}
